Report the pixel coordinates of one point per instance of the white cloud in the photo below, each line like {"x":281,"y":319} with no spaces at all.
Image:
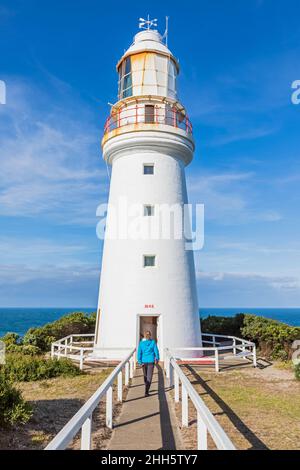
{"x":229,"y":198}
{"x":50,"y":157}
{"x":219,"y":289}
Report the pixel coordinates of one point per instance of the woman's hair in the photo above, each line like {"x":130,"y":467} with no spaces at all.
{"x":147,"y":334}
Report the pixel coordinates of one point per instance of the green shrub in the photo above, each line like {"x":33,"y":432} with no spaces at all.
{"x":27,"y":349}
{"x":10,"y":339}
{"x":223,"y":325}
{"x":273,"y":338}
{"x":297,"y":371}
{"x":74,"y":323}
{"x":13,"y":409}
{"x":26,"y":368}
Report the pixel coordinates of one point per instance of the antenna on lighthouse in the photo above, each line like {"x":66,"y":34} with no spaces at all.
{"x":165,"y":35}
{"x":147,"y":24}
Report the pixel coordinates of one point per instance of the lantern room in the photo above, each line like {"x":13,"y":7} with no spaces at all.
{"x":147,"y":68}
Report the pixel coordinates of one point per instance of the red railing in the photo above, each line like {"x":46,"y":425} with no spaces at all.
{"x":148,"y":114}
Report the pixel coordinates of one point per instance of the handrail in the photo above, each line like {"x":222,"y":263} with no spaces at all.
{"x":161,"y":115}
{"x":206,"y":422}
{"x":77,"y":350}
{"x":247,"y":348}
{"x":83,"y":418}
{"x":229,"y":337}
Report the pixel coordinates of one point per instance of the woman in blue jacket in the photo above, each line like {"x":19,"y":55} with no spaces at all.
{"x":148,"y":355}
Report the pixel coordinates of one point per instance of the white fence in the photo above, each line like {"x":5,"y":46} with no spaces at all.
{"x":238,"y":347}
{"x":80,"y":347}
{"x":76,"y":347}
{"x":206,"y":422}
{"x":82,"y":420}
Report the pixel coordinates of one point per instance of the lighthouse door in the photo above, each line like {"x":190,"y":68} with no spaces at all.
{"x":152,"y":324}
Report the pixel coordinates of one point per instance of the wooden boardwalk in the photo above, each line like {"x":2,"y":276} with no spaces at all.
{"x":146,"y":423}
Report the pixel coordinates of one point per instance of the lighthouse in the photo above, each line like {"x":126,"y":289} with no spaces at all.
{"x":148,"y":278}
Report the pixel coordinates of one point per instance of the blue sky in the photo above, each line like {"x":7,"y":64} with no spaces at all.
{"x":238,"y":60}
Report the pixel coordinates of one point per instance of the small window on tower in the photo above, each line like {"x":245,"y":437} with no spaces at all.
{"x":149,"y":169}
{"x":149,"y":261}
{"x":148,"y":211}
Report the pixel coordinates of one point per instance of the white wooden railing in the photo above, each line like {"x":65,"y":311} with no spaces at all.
{"x":70,"y":347}
{"x":206,"y":422}
{"x":82,"y":420}
{"x":239,"y":347}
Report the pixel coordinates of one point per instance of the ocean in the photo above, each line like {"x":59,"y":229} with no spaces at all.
{"x":19,"y":320}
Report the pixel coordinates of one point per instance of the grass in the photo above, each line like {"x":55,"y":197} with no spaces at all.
{"x":285,"y":365}
{"x":258,"y":409}
{"x":54,"y":402}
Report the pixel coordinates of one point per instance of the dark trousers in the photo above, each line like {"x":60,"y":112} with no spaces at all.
{"x":148,"y":373}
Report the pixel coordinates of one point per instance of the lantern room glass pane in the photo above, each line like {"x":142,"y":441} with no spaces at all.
{"x":125,"y":79}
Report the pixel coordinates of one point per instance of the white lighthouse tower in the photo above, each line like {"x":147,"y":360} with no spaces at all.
{"x":147,"y":282}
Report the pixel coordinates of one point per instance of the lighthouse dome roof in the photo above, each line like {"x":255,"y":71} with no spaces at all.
{"x":148,"y":41}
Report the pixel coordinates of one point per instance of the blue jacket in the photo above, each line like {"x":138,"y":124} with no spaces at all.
{"x":148,"y":351}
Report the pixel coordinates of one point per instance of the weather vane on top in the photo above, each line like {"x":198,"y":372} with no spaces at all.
{"x":147,"y":24}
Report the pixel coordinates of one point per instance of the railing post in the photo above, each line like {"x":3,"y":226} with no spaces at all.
{"x":131,"y":367}
{"x":217,"y":365}
{"x":254,"y":356}
{"x":201,"y":433}
{"x":109,"y":407}
{"x":134,"y":361}
{"x":86,"y":434}
{"x":244,"y":351}
{"x":120,"y":387}
{"x":184,"y":407}
{"x":52,"y":350}
{"x":171,"y":379}
{"x":126,"y":374}
{"x":66,"y":346}
{"x":176,"y":387}
{"x":81,"y":359}
{"x":214,"y":341}
{"x":167,"y":366}
{"x":234,"y":346}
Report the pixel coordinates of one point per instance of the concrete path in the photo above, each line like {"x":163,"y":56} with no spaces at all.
{"x":146,"y":423}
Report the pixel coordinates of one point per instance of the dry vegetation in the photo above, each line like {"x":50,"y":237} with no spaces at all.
{"x":258,"y":408}
{"x":54,"y":402}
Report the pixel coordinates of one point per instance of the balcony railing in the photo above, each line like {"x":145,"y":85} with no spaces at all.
{"x":148,"y":114}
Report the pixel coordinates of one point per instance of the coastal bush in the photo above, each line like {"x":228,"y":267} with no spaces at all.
{"x":223,"y":325}
{"x":273,"y":338}
{"x":10,"y":339}
{"x":27,"y":349}
{"x":26,"y":368}
{"x":13,"y":408}
{"x":74,"y":323}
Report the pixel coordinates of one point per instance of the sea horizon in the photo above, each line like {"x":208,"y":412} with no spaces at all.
{"x":20,"y":319}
